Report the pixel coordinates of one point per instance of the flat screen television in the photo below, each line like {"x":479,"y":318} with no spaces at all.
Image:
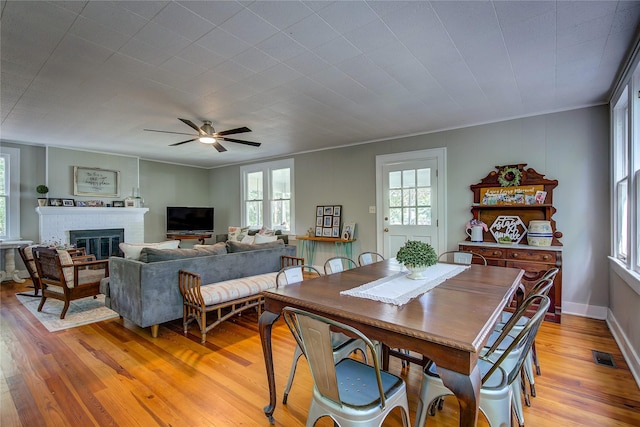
{"x":182,"y":219}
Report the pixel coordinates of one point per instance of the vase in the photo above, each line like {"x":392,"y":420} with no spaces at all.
{"x":416,"y":272}
{"x":540,"y":233}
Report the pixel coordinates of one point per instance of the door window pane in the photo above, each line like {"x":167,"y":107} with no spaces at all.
{"x":414,"y":198}
{"x":395,"y":179}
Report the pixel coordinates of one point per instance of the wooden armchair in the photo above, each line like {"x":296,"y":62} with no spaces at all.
{"x":63,"y":278}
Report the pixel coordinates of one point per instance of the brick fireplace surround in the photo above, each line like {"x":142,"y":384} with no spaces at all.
{"x":56,"y":222}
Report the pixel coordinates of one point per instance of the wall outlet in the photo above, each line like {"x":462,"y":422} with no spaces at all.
{"x":372,"y":209}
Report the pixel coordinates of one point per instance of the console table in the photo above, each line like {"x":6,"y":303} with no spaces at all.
{"x":307,"y":247}
{"x":9,"y":272}
{"x":199,"y":237}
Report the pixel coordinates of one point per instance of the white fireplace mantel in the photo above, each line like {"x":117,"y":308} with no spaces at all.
{"x":55,"y":222}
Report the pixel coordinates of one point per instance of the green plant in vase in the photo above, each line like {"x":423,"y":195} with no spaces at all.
{"x":417,"y":256}
{"x":43,"y":190}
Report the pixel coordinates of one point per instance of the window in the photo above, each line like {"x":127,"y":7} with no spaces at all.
{"x":9,"y":193}
{"x":267,"y":194}
{"x":410,"y":197}
{"x":625,"y":123}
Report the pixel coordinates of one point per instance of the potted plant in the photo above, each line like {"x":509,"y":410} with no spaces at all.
{"x":43,"y":190}
{"x":417,"y":256}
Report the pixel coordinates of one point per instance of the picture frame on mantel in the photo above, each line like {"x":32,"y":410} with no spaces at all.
{"x":95,"y":182}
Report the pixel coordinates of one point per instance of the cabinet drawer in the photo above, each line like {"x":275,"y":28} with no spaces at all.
{"x":536,"y":256}
{"x":496,"y":253}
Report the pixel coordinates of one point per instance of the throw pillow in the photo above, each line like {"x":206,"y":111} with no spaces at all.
{"x":266,"y":232}
{"x":236,"y":234}
{"x":249,"y":240}
{"x":235,"y":247}
{"x":132,"y":250}
{"x":263,"y":238}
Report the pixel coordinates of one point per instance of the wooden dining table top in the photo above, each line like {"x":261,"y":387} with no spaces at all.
{"x":457,"y":314}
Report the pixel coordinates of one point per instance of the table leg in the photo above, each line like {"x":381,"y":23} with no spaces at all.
{"x":265,"y":324}
{"x":467,"y":390}
{"x":10,"y":271}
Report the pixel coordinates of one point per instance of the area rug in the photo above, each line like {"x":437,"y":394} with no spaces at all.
{"x":81,"y":312}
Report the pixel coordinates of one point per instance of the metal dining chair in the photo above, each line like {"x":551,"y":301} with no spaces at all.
{"x":461,"y":257}
{"x":352,"y":393}
{"x":366,"y":258}
{"x":499,"y":366}
{"x":342,"y":345}
{"x":338,"y":264}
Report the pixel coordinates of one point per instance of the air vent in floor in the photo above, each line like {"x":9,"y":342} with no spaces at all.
{"x":602,"y":358}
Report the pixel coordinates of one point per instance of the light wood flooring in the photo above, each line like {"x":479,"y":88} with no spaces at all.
{"x":113,"y":373}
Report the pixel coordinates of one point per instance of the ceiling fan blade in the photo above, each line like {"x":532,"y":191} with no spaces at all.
{"x":193,"y":125}
{"x":232,"y":131}
{"x":219,"y":147}
{"x":183,"y":142}
{"x":239,"y":141}
{"x":166,"y":131}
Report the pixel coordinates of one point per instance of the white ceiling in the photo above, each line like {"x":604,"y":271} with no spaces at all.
{"x":303,"y":75}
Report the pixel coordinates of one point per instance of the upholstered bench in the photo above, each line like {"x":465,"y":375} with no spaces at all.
{"x":235,"y":295}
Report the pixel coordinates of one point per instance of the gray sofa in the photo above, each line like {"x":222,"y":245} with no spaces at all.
{"x":147,"y":293}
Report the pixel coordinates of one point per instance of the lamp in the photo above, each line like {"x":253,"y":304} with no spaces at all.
{"x":207,"y":139}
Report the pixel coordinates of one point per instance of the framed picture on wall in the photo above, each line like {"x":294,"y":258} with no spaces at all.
{"x":95,"y":182}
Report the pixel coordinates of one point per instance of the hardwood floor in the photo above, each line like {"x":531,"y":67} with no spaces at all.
{"x":113,"y":373}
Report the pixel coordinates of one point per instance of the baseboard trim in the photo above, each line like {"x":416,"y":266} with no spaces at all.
{"x":628,"y":352}
{"x":585,"y":310}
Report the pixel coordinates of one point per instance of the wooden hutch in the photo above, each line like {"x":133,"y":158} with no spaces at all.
{"x":510,"y":192}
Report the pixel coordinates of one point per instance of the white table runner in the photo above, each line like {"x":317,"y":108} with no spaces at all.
{"x":398,"y":289}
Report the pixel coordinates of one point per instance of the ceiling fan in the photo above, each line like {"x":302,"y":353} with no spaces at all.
{"x":208,"y":135}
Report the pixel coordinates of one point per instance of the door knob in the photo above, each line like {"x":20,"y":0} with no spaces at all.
{"x":386,"y":230}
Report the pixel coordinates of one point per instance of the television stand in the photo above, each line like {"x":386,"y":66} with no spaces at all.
{"x":189,"y":236}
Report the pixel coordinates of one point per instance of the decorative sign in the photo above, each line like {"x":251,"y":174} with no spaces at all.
{"x":95,"y":182}
{"x":328,"y":221}
{"x":524,"y":195}
{"x":508,"y":229}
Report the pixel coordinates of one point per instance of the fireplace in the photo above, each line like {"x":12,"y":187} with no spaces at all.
{"x":101,"y":243}
{"x":57,"y":222}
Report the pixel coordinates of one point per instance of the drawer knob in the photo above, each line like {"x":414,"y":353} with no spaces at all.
{"x":515,"y":255}
{"x":496,"y":253}
{"x":545,"y":257}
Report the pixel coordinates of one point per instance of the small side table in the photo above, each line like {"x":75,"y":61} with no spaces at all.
{"x":308,"y":244}
{"x":10,"y":272}
{"x":199,"y":237}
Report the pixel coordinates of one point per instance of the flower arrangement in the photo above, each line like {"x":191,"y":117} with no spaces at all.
{"x":476,"y":223}
{"x":415,"y":253}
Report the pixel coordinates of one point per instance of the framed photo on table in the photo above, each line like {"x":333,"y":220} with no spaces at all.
{"x":328,"y":219}
{"x":95,"y":182}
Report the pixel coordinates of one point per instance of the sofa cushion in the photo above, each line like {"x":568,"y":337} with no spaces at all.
{"x":235,"y":247}
{"x":157,"y":255}
{"x":219,"y":248}
{"x":132,"y":250}
{"x":230,"y":290}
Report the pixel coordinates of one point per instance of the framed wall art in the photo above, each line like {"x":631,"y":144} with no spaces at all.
{"x":328,"y":220}
{"x":95,"y":182}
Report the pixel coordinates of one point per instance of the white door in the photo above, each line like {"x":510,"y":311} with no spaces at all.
{"x":408,"y":202}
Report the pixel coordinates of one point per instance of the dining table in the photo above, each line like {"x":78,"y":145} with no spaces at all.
{"x":448,"y":324}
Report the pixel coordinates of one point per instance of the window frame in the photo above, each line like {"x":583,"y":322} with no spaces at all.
{"x":13,"y":193}
{"x":625,"y":168}
{"x":267,"y":192}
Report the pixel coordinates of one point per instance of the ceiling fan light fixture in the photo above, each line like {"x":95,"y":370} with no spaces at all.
{"x":207,"y":139}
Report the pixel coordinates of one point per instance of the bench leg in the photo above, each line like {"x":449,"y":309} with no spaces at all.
{"x":154,"y":330}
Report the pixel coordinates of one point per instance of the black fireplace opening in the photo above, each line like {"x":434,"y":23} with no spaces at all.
{"x":101,"y":243}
